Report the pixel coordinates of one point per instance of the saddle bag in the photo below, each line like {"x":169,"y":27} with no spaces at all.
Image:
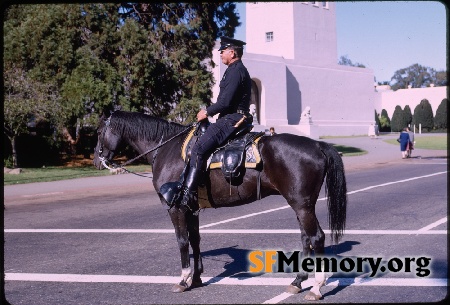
{"x":233,"y":160}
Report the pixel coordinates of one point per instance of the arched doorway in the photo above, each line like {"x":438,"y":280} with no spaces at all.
{"x":255,"y":104}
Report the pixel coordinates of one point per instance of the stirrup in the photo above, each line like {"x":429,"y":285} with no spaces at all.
{"x":189,"y":199}
{"x":171,"y":193}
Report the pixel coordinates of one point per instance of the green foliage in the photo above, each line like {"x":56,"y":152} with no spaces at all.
{"x":385,"y":122}
{"x":441,"y":78}
{"x":345,"y":61}
{"x":407,"y":116}
{"x":423,"y":114}
{"x":397,"y":120}
{"x":75,"y":60}
{"x":440,"y":120}
{"x":417,"y":76}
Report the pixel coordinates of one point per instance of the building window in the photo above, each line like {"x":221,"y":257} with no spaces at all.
{"x":325,"y":4}
{"x":269,"y":36}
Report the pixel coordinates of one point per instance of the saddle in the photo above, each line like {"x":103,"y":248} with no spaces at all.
{"x":233,"y":157}
{"x":240,"y":152}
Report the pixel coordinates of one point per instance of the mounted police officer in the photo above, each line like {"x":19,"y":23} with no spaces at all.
{"x":232,"y":106}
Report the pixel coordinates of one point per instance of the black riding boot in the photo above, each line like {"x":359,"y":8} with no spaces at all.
{"x":188,"y":194}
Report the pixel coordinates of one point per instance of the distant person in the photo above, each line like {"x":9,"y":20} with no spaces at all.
{"x":272,"y":131}
{"x":411,"y":143}
{"x":403,"y":139}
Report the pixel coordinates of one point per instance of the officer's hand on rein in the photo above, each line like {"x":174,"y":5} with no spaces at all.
{"x":201,"y":115}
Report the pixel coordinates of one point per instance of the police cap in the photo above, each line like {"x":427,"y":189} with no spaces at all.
{"x":226,"y":42}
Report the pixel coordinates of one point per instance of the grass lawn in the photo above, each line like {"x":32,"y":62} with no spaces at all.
{"x":426,"y":142}
{"x":29,"y":175}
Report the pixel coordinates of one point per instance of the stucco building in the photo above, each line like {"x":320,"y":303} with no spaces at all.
{"x":298,"y":87}
{"x":291,"y":55}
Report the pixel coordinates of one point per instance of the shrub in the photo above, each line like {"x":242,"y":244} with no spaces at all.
{"x":385,"y":122}
{"x":407,"y":116}
{"x":423,"y":114}
{"x":397,"y":119}
{"x":440,"y":121}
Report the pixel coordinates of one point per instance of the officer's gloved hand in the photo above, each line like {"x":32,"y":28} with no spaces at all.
{"x":201,"y":127}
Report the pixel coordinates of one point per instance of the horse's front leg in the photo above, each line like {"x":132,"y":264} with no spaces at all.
{"x":179,"y":221}
{"x":194,"y":239}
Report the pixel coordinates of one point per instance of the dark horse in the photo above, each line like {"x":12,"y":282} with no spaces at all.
{"x":292,"y":166}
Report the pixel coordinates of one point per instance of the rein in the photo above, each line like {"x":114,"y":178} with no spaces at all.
{"x":115,"y":166}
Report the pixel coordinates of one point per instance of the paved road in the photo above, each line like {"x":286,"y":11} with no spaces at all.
{"x":107,"y":240}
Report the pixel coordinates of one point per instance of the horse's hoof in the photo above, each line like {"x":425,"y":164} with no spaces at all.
{"x":178,"y":288}
{"x":293,"y":289}
{"x":197,"y":283}
{"x":310,"y":296}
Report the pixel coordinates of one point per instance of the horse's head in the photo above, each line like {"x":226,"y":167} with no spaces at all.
{"x":107,"y":144}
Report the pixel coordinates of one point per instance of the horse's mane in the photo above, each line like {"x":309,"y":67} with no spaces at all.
{"x":140,"y":126}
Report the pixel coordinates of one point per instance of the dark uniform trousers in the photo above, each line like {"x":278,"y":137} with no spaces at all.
{"x":215,"y":135}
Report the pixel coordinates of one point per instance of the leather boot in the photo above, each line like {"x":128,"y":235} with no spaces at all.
{"x":189,"y":191}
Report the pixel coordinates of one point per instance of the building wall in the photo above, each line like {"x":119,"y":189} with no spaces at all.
{"x":315,"y":33}
{"x":299,"y":69}
{"x":276,"y":17}
{"x":388,"y":99}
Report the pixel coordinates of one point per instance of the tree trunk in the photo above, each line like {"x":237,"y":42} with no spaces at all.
{"x":13,"y":149}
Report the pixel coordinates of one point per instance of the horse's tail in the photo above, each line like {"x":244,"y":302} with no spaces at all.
{"x":336,"y":191}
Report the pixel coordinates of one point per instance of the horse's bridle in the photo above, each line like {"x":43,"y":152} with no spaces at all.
{"x":161,"y":143}
{"x":100,"y":150}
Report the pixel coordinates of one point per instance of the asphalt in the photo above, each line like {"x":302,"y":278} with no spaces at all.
{"x":379,"y":153}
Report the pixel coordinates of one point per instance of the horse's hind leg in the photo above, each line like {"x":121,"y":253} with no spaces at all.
{"x":194,"y":239}
{"x":313,"y":239}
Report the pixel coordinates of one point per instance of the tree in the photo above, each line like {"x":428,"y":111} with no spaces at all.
{"x":25,"y":100}
{"x":147,"y":57}
{"x":440,"y":120}
{"x":417,"y":76}
{"x":397,"y":119}
{"x":423,"y":114}
{"x":407,"y":116}
{"x":345,"y":61}
{"x":41,"y":41}
{"x":441,"y":79}
{"x":385,"y":122}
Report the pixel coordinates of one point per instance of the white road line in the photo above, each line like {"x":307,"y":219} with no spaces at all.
{"x":434,"y":224}
{"x":247,"y":216}
{"x":395,"y":182}
{"x":320,"y":199}
{"x":228,"y":231}
{"x":43,"y":194}
{"x":278,"y":298}
{"x":239,"y":281}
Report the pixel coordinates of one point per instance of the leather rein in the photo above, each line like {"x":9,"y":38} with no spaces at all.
{"x":116,"y":166}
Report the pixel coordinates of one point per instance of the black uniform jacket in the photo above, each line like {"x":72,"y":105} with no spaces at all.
{"x":235,"y":91}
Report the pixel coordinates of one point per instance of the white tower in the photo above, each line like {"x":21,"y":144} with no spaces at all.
{"x":302,"y":31}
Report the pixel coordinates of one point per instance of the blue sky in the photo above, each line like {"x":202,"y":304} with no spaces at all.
{"x":387,"y":36}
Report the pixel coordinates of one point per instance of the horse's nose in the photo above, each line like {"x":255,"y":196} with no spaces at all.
{"x":97,"y":163}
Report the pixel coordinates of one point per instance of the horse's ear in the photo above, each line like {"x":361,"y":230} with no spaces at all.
{"x":106,"y":112}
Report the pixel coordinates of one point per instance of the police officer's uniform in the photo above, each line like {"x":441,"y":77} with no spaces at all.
{"x":232,"y":105}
